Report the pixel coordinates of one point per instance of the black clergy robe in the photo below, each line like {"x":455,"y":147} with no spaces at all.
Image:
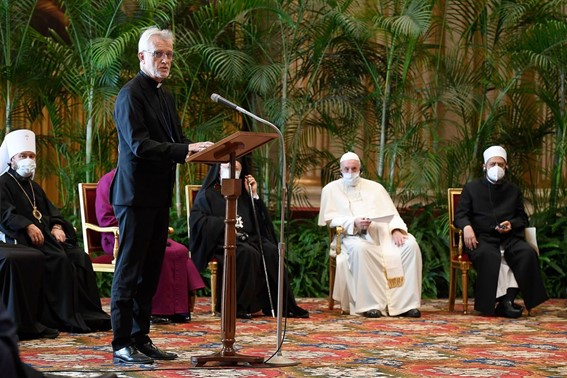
{"x":207,"y":240}
{"x":71,"y":297}
{"x":10,"y":363}
{"x":21,"y":268}
{"x":483,"y":205}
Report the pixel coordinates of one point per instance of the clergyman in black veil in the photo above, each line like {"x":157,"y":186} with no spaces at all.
{"x":256,"y":282}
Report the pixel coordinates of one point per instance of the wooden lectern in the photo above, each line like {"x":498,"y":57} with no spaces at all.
{"x":225,"y":151}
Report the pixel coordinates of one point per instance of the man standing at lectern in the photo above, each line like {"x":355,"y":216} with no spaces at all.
{"x":151,"y":143}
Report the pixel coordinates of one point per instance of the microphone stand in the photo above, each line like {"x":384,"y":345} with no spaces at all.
{"x":260,"y":243}
{"x":277,"y":358}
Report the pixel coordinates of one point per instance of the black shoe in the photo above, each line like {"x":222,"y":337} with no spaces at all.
{"x":507,"y":310}
{"x":298,"y":312}
{"x":49,"y":333}
{"x":372,"y":314}
{"x":180,"y":318}
{"x":131,"y":355}
{"x":152,"y":351}
{"x":159,"y":320}
{"x":243,"y":315}
{"x":413,"y":313}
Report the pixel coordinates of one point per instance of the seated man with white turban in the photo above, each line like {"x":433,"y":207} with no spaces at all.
{"x":378,"y":271}
{"x":492,"y":216}
{"x":28,"y":218}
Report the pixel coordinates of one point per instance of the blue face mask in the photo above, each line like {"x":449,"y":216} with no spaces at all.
{"x":25,"y":167}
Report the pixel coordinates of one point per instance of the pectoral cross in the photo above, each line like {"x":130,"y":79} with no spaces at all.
{"x":239,"y":222}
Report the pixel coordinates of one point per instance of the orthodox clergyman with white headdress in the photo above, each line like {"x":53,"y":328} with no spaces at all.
{"x":27,"y":217}
{"x":378,"y":271}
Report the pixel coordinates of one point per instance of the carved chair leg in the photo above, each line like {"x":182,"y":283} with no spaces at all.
{"x":332,"y":269}
{"x":213,"y":267}
{"x":465,"y":286}
{"x":452,"y":288}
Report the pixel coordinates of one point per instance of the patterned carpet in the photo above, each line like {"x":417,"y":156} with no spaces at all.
{"x":328,"y":344}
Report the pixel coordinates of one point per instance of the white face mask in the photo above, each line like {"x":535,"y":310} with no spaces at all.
{"x":225,"y":172}
{"x":495,"y":173}
{"x":351,"y":179}
{"x":25,"y":167}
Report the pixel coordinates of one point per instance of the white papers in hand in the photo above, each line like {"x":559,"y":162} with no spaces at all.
{"x":381,"y":218}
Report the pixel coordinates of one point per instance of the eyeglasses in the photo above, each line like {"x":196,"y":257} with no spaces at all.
{"x":160,"y":54}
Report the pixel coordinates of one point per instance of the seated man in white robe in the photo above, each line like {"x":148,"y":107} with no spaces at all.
{"x":378,"y":271}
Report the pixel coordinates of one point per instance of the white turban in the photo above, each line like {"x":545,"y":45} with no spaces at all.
{"x":349,"y":156}
{"x":493,"y":151}
{"x":15,"y":142}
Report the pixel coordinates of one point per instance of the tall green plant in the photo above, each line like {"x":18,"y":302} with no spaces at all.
{"x":101,"y":37}
{"x":551,"y":229}
{"x":488,"y":84}
{"x":541,"y":51}
{"x":21,"y":78}
{"x":401,"y":28}
{"x":307,"y":258}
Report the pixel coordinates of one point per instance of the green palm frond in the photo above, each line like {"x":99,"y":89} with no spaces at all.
{"x":412,"y":22}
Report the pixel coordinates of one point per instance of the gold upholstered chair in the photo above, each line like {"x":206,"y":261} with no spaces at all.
{"x":92,"y":231}
{"x":458,"y":260}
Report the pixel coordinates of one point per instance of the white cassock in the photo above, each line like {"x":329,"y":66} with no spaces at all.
{"x":372,"y":272}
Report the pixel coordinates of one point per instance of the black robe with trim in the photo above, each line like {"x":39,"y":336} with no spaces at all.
{"x":72,"y":301}
{"x":483,"y":205}
{"x":207,"y":239}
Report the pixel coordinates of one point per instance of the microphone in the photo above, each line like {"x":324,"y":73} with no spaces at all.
{"x":223,"y":101}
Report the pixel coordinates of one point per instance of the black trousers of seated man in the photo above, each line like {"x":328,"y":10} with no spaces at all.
{"x":523,"y":262}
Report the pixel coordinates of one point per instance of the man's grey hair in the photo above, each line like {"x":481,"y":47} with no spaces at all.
{"x":145,"y":44}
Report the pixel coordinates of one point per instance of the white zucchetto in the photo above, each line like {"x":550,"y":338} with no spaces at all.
{"x":349,"y":156}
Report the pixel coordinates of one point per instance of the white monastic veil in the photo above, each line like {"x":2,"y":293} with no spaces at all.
{"x":4,"y":158}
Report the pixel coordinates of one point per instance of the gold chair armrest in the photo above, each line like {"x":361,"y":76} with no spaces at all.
{"x":339,"y":234}
{"x":458,"y":231}
{"x":94,"y":227}
{"x":113,"y":230}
